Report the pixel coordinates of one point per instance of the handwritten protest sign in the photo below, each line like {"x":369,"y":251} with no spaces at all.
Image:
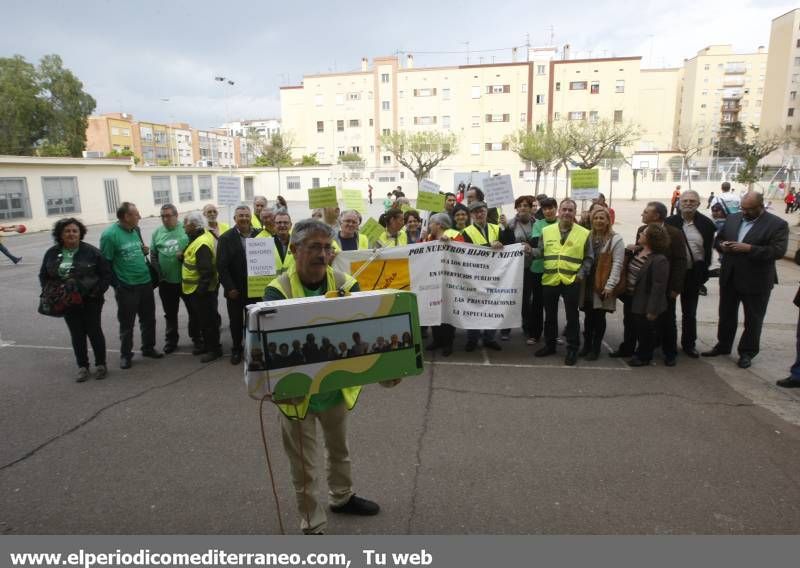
{"x":429,"y":186}
{"x":229,"y":190}
{"x":498,"y":190}
{"x":322,"y":197}
{"x":261,"y":269}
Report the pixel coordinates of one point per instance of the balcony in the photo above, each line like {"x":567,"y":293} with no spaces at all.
{"x":733,"y":82}
{"x":735,"y":68}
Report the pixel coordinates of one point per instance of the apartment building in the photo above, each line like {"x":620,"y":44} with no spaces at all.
{"x":265,"y":128}
{"x":109,"y":132}
{"x":781,"y":108}
{"x":720,"y":87}
{"x":332,"y":115}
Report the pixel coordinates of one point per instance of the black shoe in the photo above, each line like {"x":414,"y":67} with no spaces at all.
{"x":713,"y":273}
{"x":357,"y":506}
{"x":592,"y":355}
{"x":745,"y":361}
{"x":125,"y":362}
{"x":691,"y":352}
{"x":571,"y":358}
{"x":715,"y":352}
{"x":199,"y":350}
{"x":432,"y":346}
{"x":545,"y":351}
{"x":236,"y":357}
{"x":447,"y":351}
{"x":789,"y":383}
{"x":152,"y":353}
{"x":670,"y":360}
{"x":585,"y":350}
{"x":170,"y":348}
{"x":620,"y":353}
{"x":703,"y":291}
{"x":635,"y":362}
{"x":211,"y":356}
{"x":493,"y":345}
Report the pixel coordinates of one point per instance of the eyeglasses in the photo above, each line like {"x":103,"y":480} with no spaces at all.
{"x":317,"y":248}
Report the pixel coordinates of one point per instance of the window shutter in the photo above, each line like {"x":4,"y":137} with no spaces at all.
{"x":506,"y":88}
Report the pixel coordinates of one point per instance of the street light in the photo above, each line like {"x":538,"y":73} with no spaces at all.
{"x":230,"y":83}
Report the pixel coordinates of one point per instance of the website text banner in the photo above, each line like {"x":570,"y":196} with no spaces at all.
{"x":473,"y":551}
{"x":468,"y":286}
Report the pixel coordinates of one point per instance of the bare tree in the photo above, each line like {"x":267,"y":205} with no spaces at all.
{"x":595,"y":140}
{"x":563,"y":149}
{"x":420,"y":152}
{"x":690,"y":145}
{"x":754,"y":146}
{"x":534,"y":147}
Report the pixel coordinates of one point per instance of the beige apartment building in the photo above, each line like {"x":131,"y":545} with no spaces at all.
{"x":331,"y":115}
{"x":781,"y":108}
{"x":720,"y":87}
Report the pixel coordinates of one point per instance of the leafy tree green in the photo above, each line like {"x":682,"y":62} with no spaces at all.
{"x":753,"y":147}
{"x":276,"y":153}
{"x":352,"y":157}
{"x":309,"y":160}
{"x":535,"y":147}
{"x":123,"y":154}
{"x":23,"y":113}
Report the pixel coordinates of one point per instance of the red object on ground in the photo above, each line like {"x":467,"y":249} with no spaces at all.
{"x":21,"y":229}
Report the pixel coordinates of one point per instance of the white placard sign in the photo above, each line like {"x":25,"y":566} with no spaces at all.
{"x":498,"y":190}
{"x":229,"y":190}
{"x":260,"y":257}
{"x":429,"y":186}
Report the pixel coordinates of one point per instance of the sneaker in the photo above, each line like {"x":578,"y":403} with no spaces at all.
{"x":152,"y":353}
{"x":125,"y":362}
{"x":83,"y":374}
{"x":505,"y":336}
{"x":19,"y":259}
{"x":532,"y":341}
{"x":571,"y":357}
{"x":357,"y":506}
{"x":101,"y":372}
{"x":211,"y":356}
{"x":236,"y":357}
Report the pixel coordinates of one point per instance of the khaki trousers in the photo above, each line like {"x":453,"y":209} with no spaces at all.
{"x":340,"y":484}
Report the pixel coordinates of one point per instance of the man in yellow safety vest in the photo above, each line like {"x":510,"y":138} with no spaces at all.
{"x":568,"y":257}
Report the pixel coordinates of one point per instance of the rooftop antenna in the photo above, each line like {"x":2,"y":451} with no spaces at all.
{"x":467,"y":44}
{"x":527,"y":47}
{"x":552,"y":34}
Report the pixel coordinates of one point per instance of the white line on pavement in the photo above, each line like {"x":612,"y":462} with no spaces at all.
{"x":526,"y":366}
{"x":57,"y":348}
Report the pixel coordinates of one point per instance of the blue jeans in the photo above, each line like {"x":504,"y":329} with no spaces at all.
{"x":11,"y":257}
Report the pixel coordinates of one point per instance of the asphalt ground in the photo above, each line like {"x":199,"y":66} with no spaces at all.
{"x":481,"y":443}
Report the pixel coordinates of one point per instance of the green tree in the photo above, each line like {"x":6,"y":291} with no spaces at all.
{"x":276,"y":153}
{"x":123,"y":154}
{"x":309,"y":160}
{"x":351,"y":157}
{"x":534,"y":147}
{"x":23,"y":114}
{"x":754,"y":146}
{"x":420,"y":152}
{"x":731,"y":136}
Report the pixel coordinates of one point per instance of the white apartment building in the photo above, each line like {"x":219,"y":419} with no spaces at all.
{"x":265,"y":127}
{"x":720,"y":87}
{"x":781,"y":108}
{"x":181,"y":145}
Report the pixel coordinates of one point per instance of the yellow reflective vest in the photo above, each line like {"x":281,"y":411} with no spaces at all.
{"x":290,"y":286}
{"x":190,"y":277}
{"x":385,"y":241}
{"x":477,"y":236}
{"x":562,"y":262}
{"x":255,"y":222}
{"x":451,"y":233}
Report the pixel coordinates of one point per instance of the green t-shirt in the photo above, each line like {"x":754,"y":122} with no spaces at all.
{"x":168,"y":243}
{"x":123,"y":249}
{"x":538,"y":263}
{"x":66,"y":262}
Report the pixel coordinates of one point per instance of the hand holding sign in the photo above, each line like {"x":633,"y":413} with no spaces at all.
{"x":498,"y":190}
{"x":322,"y":197}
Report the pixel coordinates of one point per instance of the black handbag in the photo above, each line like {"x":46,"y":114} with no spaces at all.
{"x":57,"y":297}
{"x":155,"y":277}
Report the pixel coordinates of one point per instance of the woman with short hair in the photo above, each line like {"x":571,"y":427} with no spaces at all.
{"x":413,"y":226}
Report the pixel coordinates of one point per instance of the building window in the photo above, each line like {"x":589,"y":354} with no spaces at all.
{"x":162,"y":191}
{"x":446,"y":122}
{"x":341,"y":152}
{"x":496,"y":146}
{"x":497,"y":89}
{"x":498,"y":118}
{"x":556,"y":116}
{"x":384,"y":77}
{"x":387,"y":179}
{"x":476,"y":121}
{"x":61,"y":195}
{"x":355,"y":149}
{"x":354,"y":96}
{"x":185,"y":189}
{"x":14,"y":203}
{"x":558,"y":85}
{"x":619,"y":86}
{"x":476,"y":91}
{"x":204,"y":185}
{"x":320,"y":126}
{"x":386,"y":131}
{"x":706,"y":67}
{"x":402,"y":121}
{"x":293,"y":182}
{"x":424,"y":92}
{"x":595,"y":88}
{"x":540,"y":127}
{"x":446,"y":94}
{"x":401,"y":94}
{"x":593,"y":116}
{"x":475,"y":149}
{"x":541,"y":69}
{"x":371,"y":122}
{"x":387,"y":159}
{"x":314,"y":183}
{"x":577,"y":115}
{"x":617,"y":116}
{"x":385,"y":105}
{"x":791,"y":112}
{"x":797,"y":60}
{"x":792,"y":95}
{"x":524,"y":88}
{"x":340,"y":126}
{"x":523,"y":117}
{"x":354,"y":123}
{"x":788,"y":128}
{"x":539,"y":99}
{"x":577,"y":85}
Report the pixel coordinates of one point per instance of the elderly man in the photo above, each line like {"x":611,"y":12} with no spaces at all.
{"x":348,"y":237}
{"x":166,"y":249}
{"x":568,"y":257}
{"x":698,"y":231}
{"x":750,"y":242}
{"x":232,"y":270}
{"x":122,"y":245}
{"x":216,"y":228}
{"x":311,"y":245}
{"x":520,"y":230}
{"x":200,"y":282}
{"x":259,"y":202}
{"x":394,"y":235}
{"x":486,"y":234}
{"x":283,"y":233}
{"x":267,"y":217}
{"x":473,"y":194}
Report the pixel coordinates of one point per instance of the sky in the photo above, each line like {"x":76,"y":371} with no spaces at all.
{"x":157,"y":59}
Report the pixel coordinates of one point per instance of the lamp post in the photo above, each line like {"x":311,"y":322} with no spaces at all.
{"x":227,"y":82}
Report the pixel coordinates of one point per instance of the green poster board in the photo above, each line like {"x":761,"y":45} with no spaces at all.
{"x":322,"y":197}
{"x":428,"y":201}
{"x":372,"y":229}
{"x":585,"y":183}
{"x":353,"y":200}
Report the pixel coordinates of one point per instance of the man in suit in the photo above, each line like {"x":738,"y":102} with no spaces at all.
{"x":232,"y":269}
{"x":750,"y":242}
{"x":698,"y":231}
{"x":666,"y":329}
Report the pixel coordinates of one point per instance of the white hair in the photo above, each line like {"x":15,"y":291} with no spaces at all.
{"x":195,"y":218}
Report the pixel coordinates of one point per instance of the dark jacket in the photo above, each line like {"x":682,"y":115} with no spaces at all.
{"x":753,"y":272}
{"x":90,"y":270}
{"x":704,"y":225}
{"x":676,"y":255}
{"x":650,"y":294}
{"x":232,"y":261}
